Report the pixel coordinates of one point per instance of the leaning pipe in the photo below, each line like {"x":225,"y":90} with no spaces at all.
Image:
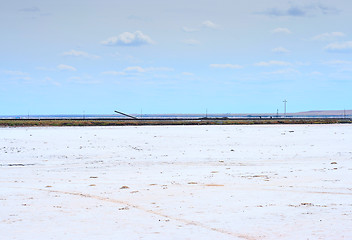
{"x":126,"y":114}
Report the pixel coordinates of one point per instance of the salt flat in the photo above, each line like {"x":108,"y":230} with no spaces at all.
{"x":176,"y":182}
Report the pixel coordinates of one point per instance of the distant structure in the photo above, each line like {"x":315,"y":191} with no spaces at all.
{"x":126,"y":114}
{"x":285,"y":101}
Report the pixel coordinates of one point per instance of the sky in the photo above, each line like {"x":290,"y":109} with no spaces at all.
{"x":159,"y":56}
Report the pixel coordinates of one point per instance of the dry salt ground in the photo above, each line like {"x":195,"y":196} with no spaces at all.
{"x":176,"y":182}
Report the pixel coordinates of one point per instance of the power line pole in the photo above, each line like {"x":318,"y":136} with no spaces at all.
{"x":285,"y":101}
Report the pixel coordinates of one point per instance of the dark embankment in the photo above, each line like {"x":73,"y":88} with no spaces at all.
{"x":142,"y":122}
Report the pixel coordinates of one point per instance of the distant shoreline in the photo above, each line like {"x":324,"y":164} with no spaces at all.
{"x":158,"y":122}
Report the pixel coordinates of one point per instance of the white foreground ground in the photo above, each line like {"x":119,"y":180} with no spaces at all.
{"x":176,"y":182}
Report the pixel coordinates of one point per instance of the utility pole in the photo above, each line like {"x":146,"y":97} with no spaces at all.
{"x":206,"y":113}
{"x":285,"y":101}
{"x":277,"y":113}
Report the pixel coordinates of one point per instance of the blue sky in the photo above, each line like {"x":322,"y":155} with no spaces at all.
{"x":66,"y":57}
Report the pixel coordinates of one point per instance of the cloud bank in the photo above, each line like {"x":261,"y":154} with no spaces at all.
{"x":17,"y":75}
{"x":339,"y":47}
{"x":273,"y":63}
{"x":191,"y":42}
{"x":128,"y":39}
{"x":210,"y":24}
{"x":328,"y":36}
{"x":137,"y":70}
{"x":66,"y":67}
{"x":301,"y":11}
{"x":75,"y":53}
{"x":189,"y":30}
{"x":280,"y":50}
{"x":226,"y":65}
{"x":281,"y":30}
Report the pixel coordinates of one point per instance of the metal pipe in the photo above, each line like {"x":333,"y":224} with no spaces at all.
{"x":126,"y":114}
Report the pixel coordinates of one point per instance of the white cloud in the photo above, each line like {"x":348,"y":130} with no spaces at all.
{"x":86,"y":79}
{"x":281,"y":30}
{"x":187,"y":74}
{"x":339,"y":47}
{"x":328,"y":36}
{"x":301,"y":11}
{"x":75,"y":53}
{"x":27,"y":78}
{"x":115,"y":73}
{"x":128,"y":39}
{"x":340,"y":65}
{"x":149,"y":69}
{"x":137,"y":70}
{"x":280,"y":50}
{"x":45,"y":69}
{"x":338,"y":62}
{"x":283,"y":71}
{"x":125,"y":58}
{"x":316,"y":73}
{"x":210,"y":24}
{"x":226,"y":65}
{"x":51,"y":81}
{"x":273,"y":63}
{"x":74,"y":78}
{"x":163,"y":69}
{"x":187,"y":29}
{"x":303,"y":63}
{"x":204,"y":24}
{"x":191,"y":42}
{"x":15,"y":73}
{"x":66,"y":67}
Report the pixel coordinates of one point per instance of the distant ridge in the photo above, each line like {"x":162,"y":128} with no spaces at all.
{"x":325,"y":112}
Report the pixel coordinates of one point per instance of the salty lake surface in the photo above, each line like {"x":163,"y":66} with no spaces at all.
{"x":176,"y":182}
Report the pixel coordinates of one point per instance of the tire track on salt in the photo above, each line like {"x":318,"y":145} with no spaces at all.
{"x":185,"y":221}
